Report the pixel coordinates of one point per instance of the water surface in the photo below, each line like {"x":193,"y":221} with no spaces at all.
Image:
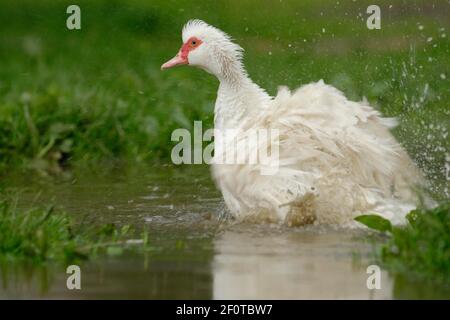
{"x":196,"y":253}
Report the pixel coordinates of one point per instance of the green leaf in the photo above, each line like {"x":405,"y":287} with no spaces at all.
{"x":375,"y":222}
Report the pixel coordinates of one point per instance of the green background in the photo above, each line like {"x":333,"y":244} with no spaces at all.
{"x":97,"y":95}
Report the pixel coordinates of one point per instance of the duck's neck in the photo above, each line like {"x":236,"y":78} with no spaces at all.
{"x":238,"y":99}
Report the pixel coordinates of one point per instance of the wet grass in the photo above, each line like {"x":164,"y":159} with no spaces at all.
{"x":421,"y":249}
{"x":41,"y":235}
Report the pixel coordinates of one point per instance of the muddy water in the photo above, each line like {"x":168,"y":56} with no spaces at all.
{"x":195,"y":252}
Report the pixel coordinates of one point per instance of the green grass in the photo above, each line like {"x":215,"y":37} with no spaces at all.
{"x":423,"y":247}
{"x":420,"y":249}
{"x":70,"y":98}
{"x":41,"y":235}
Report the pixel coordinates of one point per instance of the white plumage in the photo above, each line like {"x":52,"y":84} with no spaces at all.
{"x":337,"y":158}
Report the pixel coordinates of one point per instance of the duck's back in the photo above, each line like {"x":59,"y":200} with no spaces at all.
{"x":336,"y":158}
{"x":358,"y":154}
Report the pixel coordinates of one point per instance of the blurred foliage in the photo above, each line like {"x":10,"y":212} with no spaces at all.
{"x":420,"y":249}
{"x":423,"y":247}
{"x":81,"y":96}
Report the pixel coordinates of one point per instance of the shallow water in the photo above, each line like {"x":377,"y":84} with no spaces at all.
{"x":195,"y":253}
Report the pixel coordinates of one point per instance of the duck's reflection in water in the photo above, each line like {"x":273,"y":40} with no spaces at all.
{"x":293,"y":264}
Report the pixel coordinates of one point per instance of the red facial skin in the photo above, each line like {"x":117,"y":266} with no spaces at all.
{"x":182,"y":55}
{"x":190,"y":45}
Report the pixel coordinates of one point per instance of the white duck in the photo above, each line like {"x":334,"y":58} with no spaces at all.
{"x":337,"y":158}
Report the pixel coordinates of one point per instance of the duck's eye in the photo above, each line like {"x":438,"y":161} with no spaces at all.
{"x":193,"y":42}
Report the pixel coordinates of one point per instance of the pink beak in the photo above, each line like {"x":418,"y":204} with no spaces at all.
{"x":175,"y":61}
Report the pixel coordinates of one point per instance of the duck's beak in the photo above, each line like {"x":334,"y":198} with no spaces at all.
{"x":175,"y":61}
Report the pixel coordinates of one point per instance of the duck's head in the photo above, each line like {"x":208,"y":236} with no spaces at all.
{"x":209,"y":48}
